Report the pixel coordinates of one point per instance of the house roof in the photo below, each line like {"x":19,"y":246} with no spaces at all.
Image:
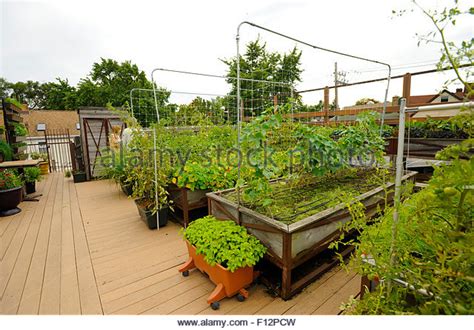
{"x":421,"y":99}
{"x":456,"y":96}
{"x":54,"y":119}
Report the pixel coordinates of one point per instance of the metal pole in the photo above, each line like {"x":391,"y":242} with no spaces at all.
{"x":334,"y":52}
{"x":335,"y":87}
{"x":398,"y":180}
{"x":385,"y":99}
{"x":154,"y":95}
{"x":237,"y":40}
{"x":156,"y":180}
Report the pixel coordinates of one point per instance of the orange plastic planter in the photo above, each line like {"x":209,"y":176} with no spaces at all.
{"x":227,"y":283}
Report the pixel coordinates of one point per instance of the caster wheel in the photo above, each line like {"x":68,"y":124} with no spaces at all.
{"x":240,"y":297}
{"x":185,"y":273}
{"x":215,"y":305}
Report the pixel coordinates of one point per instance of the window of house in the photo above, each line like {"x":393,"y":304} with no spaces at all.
{"x":444,"y":98}
{"x":41,"y":127}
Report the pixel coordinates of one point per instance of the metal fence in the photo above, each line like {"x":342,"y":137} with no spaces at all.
{"x":56,"y":146}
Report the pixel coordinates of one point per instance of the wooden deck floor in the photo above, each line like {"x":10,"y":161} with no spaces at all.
{"x":82,"y":249}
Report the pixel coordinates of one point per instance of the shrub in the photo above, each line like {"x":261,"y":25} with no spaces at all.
{"x":6,"y":150}
{"x":9,"y":180}
{"x":224,"y":243}
{"x":32,"y":174}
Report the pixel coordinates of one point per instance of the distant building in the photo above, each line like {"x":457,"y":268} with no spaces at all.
{"x":57,"y":121}
{"x":445,"y":96}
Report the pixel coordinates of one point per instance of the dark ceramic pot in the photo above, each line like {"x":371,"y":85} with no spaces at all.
{"x":9,"y":200}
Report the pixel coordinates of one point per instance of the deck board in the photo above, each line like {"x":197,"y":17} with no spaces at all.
{"x":82,"y":249}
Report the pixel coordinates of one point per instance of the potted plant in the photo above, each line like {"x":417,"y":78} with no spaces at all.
{"x":79,"y":176}
{"x":44,"y":164}
{"x":226,"y":253}
{"x":6,"y":152}
{"x":152,"y":207}
{"x":30,"y":176}
{"x":148,"y":186}
{"x":11,"y":192}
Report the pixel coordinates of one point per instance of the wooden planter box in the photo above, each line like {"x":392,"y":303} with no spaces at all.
{"x":185,"y":201}
{"x":420,"y":147}
{"x":227,"y":283}
{"x":289,"y":246}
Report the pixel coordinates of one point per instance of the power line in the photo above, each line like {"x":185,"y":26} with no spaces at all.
{"x":379,"y":79}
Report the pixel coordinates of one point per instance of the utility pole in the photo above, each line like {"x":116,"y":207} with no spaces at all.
{"x":339,"y":80}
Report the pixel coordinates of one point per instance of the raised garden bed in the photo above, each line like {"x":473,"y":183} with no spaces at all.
{"x":187,"y":202}
{"x":302,"y":222}
{"x":421,"y":147}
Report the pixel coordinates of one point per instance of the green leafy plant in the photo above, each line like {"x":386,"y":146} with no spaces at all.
{"x":9,"y":179}
{"x":14,"y":101}
{"x":39,"y":156}
{"x":20,"y":129}
{"x":149,"y":188}
{"x":32,"y":174}
{"x":6,"y":150}
{"x":224,"y":243}
{"x":67,"y":174}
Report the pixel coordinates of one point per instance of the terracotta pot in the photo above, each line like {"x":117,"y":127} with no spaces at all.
{"x":227,"y":283}
{"x":9,"y":200}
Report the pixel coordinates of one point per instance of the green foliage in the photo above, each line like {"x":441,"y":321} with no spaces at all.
{"x":224,"y":243}
{"x":205,"y":176}
{"x":6,"y":150}
{"x":32,"y":174}
{"x":259,"y":64}
{"x":322,"y":151}
{"x":453,"y":54}
{"x":59,"y":95}
{"x":14,"y":101}
{"x":140,"y":171}
{"x":366,"y":100}
{"x":67,"y":174}
{"x":9,"y":179}
{"x":433,"y":248}
{"x":431,"y":128}
{"x":39,"y":155}
{"x":20,"y":129}
{"x":111,"y":82}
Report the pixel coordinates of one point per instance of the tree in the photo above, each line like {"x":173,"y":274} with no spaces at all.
{"x":280,"y":70}
{"x":59,"y":95}
{"x":5,"y":88}
{"x":367,"y":100}
{"x":29,"y":92}
{"x":110,"y":82}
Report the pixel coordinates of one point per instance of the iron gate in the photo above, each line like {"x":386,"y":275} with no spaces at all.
{"x":58,"y":148}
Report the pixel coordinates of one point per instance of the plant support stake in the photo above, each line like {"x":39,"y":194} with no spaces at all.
{"x":398,"y":181}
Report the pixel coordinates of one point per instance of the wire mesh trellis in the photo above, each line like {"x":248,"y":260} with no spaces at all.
{"x":169,"y":108}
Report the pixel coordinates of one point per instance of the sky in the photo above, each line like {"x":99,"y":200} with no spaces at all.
{"x":42,"y":40}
